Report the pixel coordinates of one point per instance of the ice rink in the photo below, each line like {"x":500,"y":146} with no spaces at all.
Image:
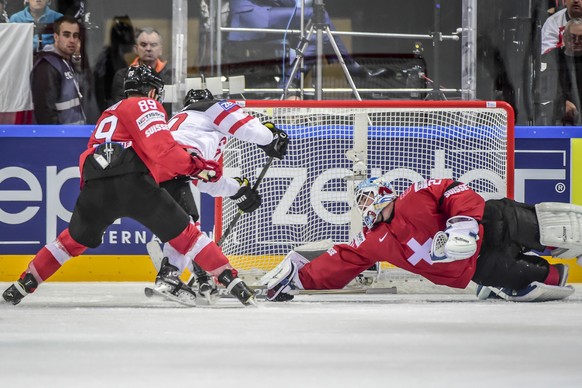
{"x":110,"y":335}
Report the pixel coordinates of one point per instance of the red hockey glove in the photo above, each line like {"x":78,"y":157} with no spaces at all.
{"x":205,"y":170}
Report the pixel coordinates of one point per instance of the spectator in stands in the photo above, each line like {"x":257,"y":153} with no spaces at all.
{"x":148,"y":48}
{"x":39,"y":13}
{"x":55,"y":88}
{"x":553,"y":27}
{"x":3,"y":14}
{"x":569,"y":61}
{"x":284,"y":14}
{"x":112,"y":59}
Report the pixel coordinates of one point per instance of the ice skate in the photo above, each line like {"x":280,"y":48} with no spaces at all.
{"x":207,"y":292}
{"x":20,"y":289}
{"x":169,"y":285}
{"x":236,"y":287}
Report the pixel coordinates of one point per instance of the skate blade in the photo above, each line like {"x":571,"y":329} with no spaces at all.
{"x":252,"y":302}
{"x":151,"y":292}
{"x":207,"y":299}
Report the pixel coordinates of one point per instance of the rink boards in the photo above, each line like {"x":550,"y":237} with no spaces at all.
{"x":39,"y":185}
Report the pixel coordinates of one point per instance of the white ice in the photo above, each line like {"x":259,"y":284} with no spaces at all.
{"x":110,"y":335}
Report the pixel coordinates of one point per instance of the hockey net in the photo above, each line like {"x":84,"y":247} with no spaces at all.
{"x":307,"y":197}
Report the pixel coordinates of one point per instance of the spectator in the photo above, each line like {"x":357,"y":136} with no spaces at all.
{"x":39,"y":13}
{"x":55,"y":87}
{"x":148,"y":48}
{"x":112,"y":59}
{"x":3,"y":14}
{"x":283,"y":14}
{"x":570,"y":74}
{"x":553,"y":27}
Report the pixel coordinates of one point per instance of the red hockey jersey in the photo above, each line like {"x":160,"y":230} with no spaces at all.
{"x":419,"y":213}
{"x":140,"y":123}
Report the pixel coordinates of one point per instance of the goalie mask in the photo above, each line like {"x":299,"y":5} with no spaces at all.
{"x":194,"y":95}
{"x":372,"y":196}
{"x":141,"y":79}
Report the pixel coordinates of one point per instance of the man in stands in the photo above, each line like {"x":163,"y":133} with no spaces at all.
{"x":130,"y":151}
{"x":446,"y":232}
{"x":148,"y":48}
{"x":553,"y":28}
{"x":55,"y":87}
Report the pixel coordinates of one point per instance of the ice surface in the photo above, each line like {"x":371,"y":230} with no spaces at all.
{"x":110,"y":335}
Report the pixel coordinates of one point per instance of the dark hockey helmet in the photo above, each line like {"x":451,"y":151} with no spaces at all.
{"x":141,"y":79}
{"x":194,"y":95}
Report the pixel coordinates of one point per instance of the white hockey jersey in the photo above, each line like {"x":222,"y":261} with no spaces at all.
{"x":553,"y":29}
{"x":206,"y":126}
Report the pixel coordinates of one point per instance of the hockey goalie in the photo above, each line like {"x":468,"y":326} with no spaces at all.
{"x":444,"y":231}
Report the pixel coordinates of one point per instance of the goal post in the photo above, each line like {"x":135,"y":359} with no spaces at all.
{"x":308,"y":196}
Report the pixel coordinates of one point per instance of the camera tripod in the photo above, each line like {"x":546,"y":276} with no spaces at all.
{"x":318,"y":26}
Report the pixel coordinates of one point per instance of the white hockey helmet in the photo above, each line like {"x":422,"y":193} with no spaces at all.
{"x":372,"y":196}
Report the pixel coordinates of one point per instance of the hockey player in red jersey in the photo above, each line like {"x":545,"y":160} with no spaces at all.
{"x":204,"y":126}
{"x":130,"y":151}
{"x":444,"y":231}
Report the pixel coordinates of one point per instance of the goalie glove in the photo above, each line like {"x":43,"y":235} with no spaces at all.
{"x":247,"y":199}
{"x":457,"y":242}
{"x":205,"y":170}
{"x":278,"y":147}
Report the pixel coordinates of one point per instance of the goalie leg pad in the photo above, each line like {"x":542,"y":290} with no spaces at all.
{"x":534,"y":292}
{"x":292,"y":256}
{"x":561,"y":227}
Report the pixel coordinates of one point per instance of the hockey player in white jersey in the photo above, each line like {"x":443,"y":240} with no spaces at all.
{"x":203,"y":127}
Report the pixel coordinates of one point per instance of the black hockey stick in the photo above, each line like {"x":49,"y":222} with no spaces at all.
{"x":240,"y":212}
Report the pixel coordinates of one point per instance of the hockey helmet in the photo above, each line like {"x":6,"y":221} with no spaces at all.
{"x":194,"y":95}
{"x":141,"y":79}
{"x":372,"y":196}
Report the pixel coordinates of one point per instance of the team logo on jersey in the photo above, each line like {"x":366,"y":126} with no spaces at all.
{"x":227,"y":105}
{"x":149,"y":117}
{"x":358,"y":240}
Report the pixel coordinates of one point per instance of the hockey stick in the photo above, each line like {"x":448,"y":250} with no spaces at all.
{"x":228,"y":230}
{"x":240,"y":212}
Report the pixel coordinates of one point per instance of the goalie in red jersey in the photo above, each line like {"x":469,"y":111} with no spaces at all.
{"x":444,"y":231}
{"x":130,"y":151}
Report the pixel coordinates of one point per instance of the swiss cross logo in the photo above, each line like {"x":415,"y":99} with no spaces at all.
{"x":421,"y":251}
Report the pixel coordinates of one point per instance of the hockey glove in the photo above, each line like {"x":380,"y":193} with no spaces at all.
{"x":457,"y":242}
{"x":247,"y":199}
{"x":278,"y":147}
{"x":205,"y":170}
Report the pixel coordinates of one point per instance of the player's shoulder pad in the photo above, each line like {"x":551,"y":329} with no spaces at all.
{"x":200,"y":106}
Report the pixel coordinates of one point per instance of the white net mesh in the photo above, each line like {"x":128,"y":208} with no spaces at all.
{"x":306,"y":197}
